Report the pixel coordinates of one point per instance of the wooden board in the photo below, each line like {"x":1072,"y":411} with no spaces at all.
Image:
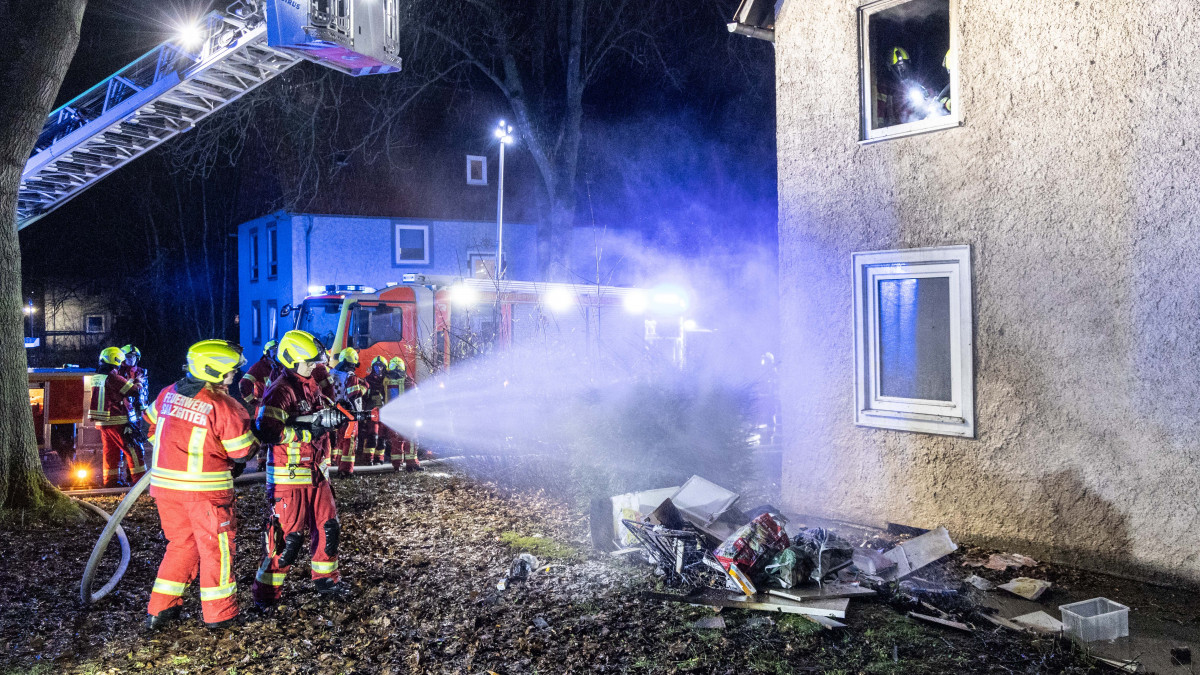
{"x":820,"y":592}
{"x":835,"y":607}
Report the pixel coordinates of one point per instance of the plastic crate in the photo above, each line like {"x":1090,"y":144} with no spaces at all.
{"x":1095,"y":619}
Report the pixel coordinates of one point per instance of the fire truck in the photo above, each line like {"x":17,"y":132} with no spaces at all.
{"x":432,"y":322}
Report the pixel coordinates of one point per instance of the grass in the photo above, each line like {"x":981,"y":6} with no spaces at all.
{"x":541,"y":547}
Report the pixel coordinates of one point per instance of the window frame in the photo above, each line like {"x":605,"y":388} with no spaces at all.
{"x":867,"y":135}
{"x":482,"y":159}
{"x":396,"y":260}
{"x":87,"y":328}
{"x":474,"y":256}
{"x":272,"y":320}
{"x":255,"y":323}
{"x":272,"y":252}
{"x":953,"y":418}
{"x":254,"y":255}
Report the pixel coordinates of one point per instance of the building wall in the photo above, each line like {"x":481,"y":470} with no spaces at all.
{"x":1071,"y":181}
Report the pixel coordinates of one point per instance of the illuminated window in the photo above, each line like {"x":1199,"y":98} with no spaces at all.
{"x":912,"y":340}
{"x":94,"y":323}
{"x":272,"y":320}
{"x":476,"y":170}
{"x":255,"y":322}
{"x":272,"y":253}
{"x":253,"y":255}
{"x":483,"y":265}
{"x":909,"y":67}
{"x":410,"y":245}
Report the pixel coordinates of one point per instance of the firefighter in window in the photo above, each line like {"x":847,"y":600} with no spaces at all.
{"x":904,"y":97}
{"x":202,"y":438}
{"x":373,"y":444}
{"x":403,"y":452}
{"x":348,"y":392}
{"x":109,"y":411}
{"x":295,"y":419}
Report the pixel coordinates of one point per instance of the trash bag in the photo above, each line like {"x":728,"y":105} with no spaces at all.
{"x":790,"y":567}
{"x":825,"y":551}
{"x":754,"y":545}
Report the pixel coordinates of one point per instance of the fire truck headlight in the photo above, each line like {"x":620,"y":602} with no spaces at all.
{"x":559,"y":299}
{"x":636,"y":302}
{"x":81,"y":473}
{"x":463,"y":295}
{"x":668,"y":299}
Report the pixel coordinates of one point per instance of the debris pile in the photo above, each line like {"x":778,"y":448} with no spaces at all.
{"x":707,"y":552}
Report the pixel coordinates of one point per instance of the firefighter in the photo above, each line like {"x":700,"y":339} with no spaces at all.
{"x":403,"y":452}
{"x":110,"y":412}
{"x":131,"y":371}
{"x":349,"y":391}
{"x":294,"y":419}
{"x":373,"y":443}
{"x":202,"y":439}
{"x":258,"y":376}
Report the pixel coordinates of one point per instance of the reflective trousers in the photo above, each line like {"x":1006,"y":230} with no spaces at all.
{"x":200,"y":538}
{"x":374,"y":437}
{"x":298,"y":510}
{"x":114,"y":444}
{"x":403,"y":451}
{"x":344,"y":451}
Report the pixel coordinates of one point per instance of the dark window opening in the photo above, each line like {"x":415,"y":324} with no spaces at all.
{"x":910,"y":61}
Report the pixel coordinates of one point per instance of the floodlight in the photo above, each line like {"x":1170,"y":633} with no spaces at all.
{"x":559,"y":299}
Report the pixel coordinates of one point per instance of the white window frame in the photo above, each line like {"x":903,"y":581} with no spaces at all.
{"x":272,"y":252}
{"x":483,"y":161}
{"x":954,"y":119}
{"x":254,"y":255}
{"x":255,"y":323}
{"x":953,"y":418}
{"x":87,"y":324}
{"x":396,"y":260}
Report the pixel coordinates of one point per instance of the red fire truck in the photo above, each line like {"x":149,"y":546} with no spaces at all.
{"x":431,"y":322}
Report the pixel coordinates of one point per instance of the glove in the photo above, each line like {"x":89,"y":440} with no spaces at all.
{"x":237,"y":469}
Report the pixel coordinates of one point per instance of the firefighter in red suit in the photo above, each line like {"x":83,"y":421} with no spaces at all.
{"x":395,"y":382}
{"x":201,"y":438}
{"x":258,"y":376}
{"x":132,"y":371}
{"x":349,"y":391}
{"x":294,"y":419}
{"x":373,"y":442}
{"x":110,"y":413}
{"x":254,"y":381}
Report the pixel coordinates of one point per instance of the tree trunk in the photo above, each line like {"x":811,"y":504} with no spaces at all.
{"x":37,"y":41}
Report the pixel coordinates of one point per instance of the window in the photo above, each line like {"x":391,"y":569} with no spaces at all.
{"x":909,"y":67}
{"x":272,"y":253}
{"x":483,"y":265}
{"x":476,"y":170}
{"x":912,"y":339}
{"x":375,"y":323}
{"x":410,"y":245}
{"x":253,"y":255}
{"x":272,"y":320}
{"x":94,"y":324}
{"x":255,"y":322}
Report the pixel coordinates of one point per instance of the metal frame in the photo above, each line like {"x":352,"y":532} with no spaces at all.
{"x":954,"y":418}
{"x":868,"y":135}
{"x":163,"y":93}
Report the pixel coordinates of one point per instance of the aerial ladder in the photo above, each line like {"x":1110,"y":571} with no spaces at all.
{"x":177,"y":84}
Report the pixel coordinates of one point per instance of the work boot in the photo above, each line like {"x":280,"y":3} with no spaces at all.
{"x":227,"y":623}
{"x":412,"y":465}
{"x":162,"y":619}
{"x":334,"y":591}
{"x":111,"y":483}
{"x":266,"y":607}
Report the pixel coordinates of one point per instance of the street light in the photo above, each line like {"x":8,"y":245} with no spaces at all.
{"x":503,"y":133}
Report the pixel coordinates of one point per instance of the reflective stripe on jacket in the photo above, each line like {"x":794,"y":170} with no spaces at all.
{"x":107,"y":407}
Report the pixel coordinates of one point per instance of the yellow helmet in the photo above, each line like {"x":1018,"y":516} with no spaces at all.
{"x":212,"y":360}
{"x":113,"y":356}
{"x":396,"y":363}
{"x":269,"y":346}
{"x":130,"y":350}
{"x":898,"y":55}
{"x":349,"y":355}
{"x":380,"y":361}
{"x":296,"y":347}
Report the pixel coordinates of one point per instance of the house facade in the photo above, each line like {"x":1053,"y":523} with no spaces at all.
{"x":985,"y":237}
{"x":281,"y":256}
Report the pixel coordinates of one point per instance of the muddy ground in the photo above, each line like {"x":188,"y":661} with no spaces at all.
{"x":423,"y":554}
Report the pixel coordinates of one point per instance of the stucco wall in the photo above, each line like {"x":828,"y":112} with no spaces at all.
{"x":1073,"y":180}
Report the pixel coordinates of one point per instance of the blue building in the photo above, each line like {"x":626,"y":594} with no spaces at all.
{"x":282,"y":255}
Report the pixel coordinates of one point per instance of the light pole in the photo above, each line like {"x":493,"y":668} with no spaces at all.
{"x":504,"y":134}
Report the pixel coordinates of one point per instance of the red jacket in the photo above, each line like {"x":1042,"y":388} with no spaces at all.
{"x":376,"y":391}
{"x":325,"y":381}
{"x":347,"y":385}
{"x":256,"y":379}
{"x":131,"y":373}
{"x":294,"y":455}
{"x":107,"y":407}
{"x":196,"y":438}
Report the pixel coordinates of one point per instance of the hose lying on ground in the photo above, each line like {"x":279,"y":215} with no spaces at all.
{"x":112,"y":527}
